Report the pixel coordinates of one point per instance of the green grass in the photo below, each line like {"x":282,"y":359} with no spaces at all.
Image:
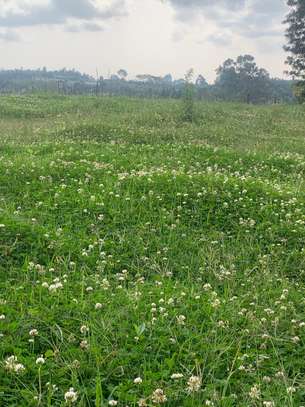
{"x":190,"y":237}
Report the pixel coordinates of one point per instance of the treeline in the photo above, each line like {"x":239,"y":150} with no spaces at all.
{"x":237,"y":80}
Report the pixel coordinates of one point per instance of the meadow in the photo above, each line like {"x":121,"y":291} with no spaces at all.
{"x":145,"y":261}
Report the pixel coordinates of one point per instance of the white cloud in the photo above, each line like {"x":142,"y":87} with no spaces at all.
{"x":23,"y":13}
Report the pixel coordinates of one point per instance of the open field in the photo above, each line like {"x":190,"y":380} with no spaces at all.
{"x":136,"y":246}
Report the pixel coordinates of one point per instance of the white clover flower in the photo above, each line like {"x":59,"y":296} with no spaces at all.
{"x":84,"y":329}
{"x":2,"y":317}
{"x":33,"y":332}
{"x":98,"y":305}
{"x":138,"y":380}
{"x":158,"y":397}
{"x":11,"y":364}
{"x":181,"y":319}
{"x":56,"y":286}
{"x":255,"y":392}
{"x":215,"y":303}
{"x":40,"y":361}
{"x":280,"y":374}
{"x":113,"y":403}
{"x":194,"y":384}
{"x":84,"y":345}
{"x":18,"y":368}
{"x":162,"y":310}
{"x":176,"y":376}
{"x":105,"y":284}
{"x":71,"y":396}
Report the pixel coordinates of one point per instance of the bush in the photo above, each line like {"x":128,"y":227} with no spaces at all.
{"x":299,"y":91}
{"x":188,"y":113}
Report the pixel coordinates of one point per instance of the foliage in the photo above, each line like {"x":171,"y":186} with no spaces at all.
{"x":247,"y":82}
{"x":188,"y":112}
{"x":149,"y":261}
{"x":244,"y":79}
{"x":295,"y":34}
{"x":122,"y":74}
{"x":299,"y":91}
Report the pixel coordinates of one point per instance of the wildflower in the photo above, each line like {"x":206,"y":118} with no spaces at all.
{"x":113,"y":403}
{"x":268,"y":404}
{"x":98,"y":305}
{"x":215,"y":303}
{"x":194,"y":384}
{"x":105,"y":284}
{"x":295,"y":339}
{"x":11,"y":364}
{"x":56,"y":286}
{"x":138,"y":380}
{"x":84,"y":345}
{"x":71,"y":396}
{"x":33,"y":332}
{"x":181,"y":319}
{"x":142,"y":403}
{"x":75,"y":364}
{"x":84,"y":329}
{"x":40,"y":361}
{"x":280,"y":374}
{"x":158,"y":397}
{"x":2,"y":317}
{"x":175,"y":376}
{"x":254,"y":392}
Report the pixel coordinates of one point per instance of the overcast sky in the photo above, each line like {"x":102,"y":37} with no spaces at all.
{"x":142,"y":36}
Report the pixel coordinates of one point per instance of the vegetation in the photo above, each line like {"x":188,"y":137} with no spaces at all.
{"x":188,"y":112}
{"x":145,"y":260}
{"x":240,"y":81}
{"x":295,"y":34}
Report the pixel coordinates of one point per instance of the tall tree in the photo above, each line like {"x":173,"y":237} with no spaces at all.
{"x":122,"y":74}
{"x":243,"y":80}
{"x":295,"y":35}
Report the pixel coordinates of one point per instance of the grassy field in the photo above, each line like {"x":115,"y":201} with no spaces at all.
{"x":145,"y":261}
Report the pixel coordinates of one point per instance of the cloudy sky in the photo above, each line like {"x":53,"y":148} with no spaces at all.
{"x":142,"y":36}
